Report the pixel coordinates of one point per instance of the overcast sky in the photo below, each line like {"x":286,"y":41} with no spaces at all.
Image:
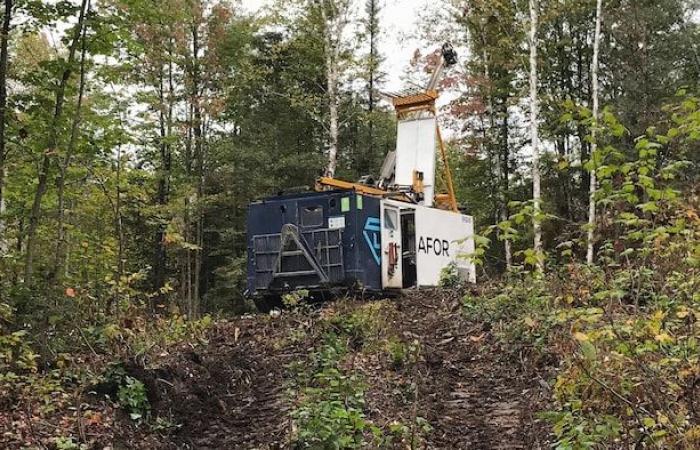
{"x":398,"y":22}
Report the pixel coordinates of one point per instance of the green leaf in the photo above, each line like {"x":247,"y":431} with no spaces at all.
{"x":649,"y":207}
{"x":588,"y":350}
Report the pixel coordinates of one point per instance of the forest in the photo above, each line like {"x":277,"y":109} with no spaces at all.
{"x":134,"y":134}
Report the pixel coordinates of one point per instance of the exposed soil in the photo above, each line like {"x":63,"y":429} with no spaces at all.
{"x":231,"y":392}
{"x":473,"y":393}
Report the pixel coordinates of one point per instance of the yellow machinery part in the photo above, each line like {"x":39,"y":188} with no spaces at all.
{"x":451,"y":197}
{"x":326,"y":182}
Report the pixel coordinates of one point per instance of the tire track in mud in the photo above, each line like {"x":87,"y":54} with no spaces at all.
{"x":471,"y":392}
{"x":229,"y":393}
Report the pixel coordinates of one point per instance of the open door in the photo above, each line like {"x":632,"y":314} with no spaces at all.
{"x":408,"y":242}
{"x":392,"y":265}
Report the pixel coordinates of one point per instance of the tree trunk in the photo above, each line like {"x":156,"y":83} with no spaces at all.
{"x":582,"y":131}
{"x":499,"y":157}
{"x":372,"y":10}
{"x":118,"y":221}
{"x":332,"y":31}
{"x":160,"y":254}
{"x":332,"y":87}
{"x":4,"y":40}
{"x":534,"y":137}
{"x":505,"y":181}
{"x":199,"y":172}
{"x":60,"y":256}
{"x":166,"y":94}
{"x":593,"y":187}
{"x":118,"y":224}
{"x":52,"y":141}
{"x":188,"y":263}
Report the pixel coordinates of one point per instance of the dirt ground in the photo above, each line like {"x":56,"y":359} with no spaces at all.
{"x":227,"y":394}
{"x":474,"y":394}
{"x":231,"y":393}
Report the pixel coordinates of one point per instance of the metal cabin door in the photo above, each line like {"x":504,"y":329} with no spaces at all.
{"x":392,"y":266}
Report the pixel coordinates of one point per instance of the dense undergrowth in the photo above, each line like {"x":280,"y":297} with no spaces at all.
{"x":328,"y":390}
{"x":47,"y":373}
{"x":624,"y":370}
{"x":623,"y":339}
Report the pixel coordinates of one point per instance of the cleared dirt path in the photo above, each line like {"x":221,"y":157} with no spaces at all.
{"x":473,"y":394}
{"x":231,"y":392}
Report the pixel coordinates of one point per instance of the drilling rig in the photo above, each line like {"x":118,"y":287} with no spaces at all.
{"x":374,"y":236}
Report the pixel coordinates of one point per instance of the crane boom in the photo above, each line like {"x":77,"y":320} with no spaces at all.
{"x":449,"y":58}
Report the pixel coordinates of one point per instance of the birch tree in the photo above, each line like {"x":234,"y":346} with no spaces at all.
{"x":335,"y":18}
{"x":594,"y":145}
{"x":534,"y":136}
{"x":4,"y":39}
{"x":373,"y":9}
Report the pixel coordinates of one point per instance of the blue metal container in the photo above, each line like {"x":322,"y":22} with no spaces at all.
{"x":315,"y":240}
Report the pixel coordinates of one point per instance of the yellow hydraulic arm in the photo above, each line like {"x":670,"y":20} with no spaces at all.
{"x":326,"y":182}
{"x":451,"y":197}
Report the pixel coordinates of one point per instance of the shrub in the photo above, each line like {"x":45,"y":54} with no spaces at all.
{"x":449,"y":277}
{"x":132,"y":397}
{"x":402,"y":354}
{"x":295,"y":298}
{"x":330,"y":412}
{"x":362,"y":325}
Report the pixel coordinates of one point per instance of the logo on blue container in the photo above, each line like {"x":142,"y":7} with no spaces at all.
{"x":372,"y":237}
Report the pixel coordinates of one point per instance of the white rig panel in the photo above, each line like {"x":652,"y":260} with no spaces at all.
{"x":416,"y":141}
{"x":443,"y":237}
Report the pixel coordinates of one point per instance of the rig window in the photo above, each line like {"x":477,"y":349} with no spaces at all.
{"x":312,"y":216}
{"x":391,"y":219}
